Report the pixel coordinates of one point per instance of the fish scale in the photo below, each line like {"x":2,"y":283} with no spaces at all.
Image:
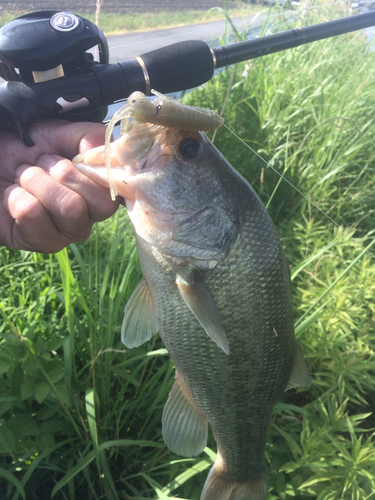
{"x":207,"y":370}
{"x":217,"y":288}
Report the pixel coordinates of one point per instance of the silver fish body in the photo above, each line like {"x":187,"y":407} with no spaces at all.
{"x":217,"y":288}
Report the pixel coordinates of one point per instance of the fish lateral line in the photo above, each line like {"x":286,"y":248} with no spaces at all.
{"x":180,"y":292}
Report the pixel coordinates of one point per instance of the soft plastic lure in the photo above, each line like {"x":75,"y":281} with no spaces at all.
{"x":163,"y":112}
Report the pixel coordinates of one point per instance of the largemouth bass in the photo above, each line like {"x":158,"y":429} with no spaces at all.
{"x":216,"y":287}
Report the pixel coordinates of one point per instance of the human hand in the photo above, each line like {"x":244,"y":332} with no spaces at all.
{"x":45,"y":202}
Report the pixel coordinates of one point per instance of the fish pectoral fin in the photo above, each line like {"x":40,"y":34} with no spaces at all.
{"x":185,"y":430}
{"x":300,"y":375}
{"x":200,"y":302}
{"x":140,"y":323}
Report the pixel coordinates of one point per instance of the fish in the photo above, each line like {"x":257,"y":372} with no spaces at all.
{"x":216,"y":287}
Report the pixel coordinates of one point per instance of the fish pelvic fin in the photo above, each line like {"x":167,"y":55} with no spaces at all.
{"x":219,"y":486}
{"x":140,"y":323}
{"x":185,"y":430}
{"x":300,"y":376}
{"x":200,"y":302}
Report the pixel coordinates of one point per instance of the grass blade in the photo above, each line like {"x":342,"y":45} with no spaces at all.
{"x":12,"y":479}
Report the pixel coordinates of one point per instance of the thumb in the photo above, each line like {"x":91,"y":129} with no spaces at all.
{"x":55,"y":137}
{"x":66,"y":138}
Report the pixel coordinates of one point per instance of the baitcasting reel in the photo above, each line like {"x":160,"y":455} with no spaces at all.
{"x":38,"y":48}
{"x":47,"y":59}
{"x":50,"y":73}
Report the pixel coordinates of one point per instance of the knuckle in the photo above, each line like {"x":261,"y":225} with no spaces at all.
{"x":73,"y":207}
{"x":84,"y":234}
{"x":103,"y":209}
{"x":64,"y":172}
{"x":52,"y":246}
{"x":30,"y":211}
{"x":76,"y":223}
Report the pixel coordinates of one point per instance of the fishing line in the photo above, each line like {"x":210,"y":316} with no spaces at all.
{"x":293,"y":186}
{"x":282,"y":176}
{"x":259,"y":17}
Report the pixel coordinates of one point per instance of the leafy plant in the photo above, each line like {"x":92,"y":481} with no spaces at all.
{"x":80,"y":414}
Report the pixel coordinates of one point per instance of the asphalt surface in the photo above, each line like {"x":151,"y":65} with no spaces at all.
{"x":122,"y":47}
{"x":129,"y":46}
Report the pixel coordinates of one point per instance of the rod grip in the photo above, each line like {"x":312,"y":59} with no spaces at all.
{"x":180,"y":66}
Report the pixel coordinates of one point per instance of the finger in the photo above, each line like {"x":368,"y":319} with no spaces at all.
{"x":51,"y":137}
{"x":67,"y":139}
{"x":33,"y":228}
{"x":67,"y":208}
{"x":98,"y":199}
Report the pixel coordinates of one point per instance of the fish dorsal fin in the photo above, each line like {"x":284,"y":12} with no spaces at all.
{"x":185,"y":430}
{"x":300,"y":375}
{"x":200,"y":302}
{"x":140,"y":323}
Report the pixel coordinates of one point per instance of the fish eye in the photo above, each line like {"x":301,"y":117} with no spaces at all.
{"x":190,"y":148}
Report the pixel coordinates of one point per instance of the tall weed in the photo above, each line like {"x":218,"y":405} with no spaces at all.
{"x":80,"y":414}
{"x":307,"y":112}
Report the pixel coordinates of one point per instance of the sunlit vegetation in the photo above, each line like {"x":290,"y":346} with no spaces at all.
{"x":80,"y":414}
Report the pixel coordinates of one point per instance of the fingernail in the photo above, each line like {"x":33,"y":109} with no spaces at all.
{"x":20,"y":170}
{"x":47,"y":162}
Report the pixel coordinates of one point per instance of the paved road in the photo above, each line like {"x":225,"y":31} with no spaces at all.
{"x":124,"y":47}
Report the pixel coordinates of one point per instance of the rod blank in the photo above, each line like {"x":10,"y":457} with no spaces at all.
{"x":251,"y":49}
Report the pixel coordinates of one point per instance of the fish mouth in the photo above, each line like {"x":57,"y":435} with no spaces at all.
{"x":137,"y":161}
{"x":126,"y":157}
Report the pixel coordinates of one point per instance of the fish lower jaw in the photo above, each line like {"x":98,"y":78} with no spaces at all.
{"x":99,"y":174}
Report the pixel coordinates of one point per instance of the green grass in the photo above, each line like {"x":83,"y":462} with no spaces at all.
{"x":80,"y":414}
{"x":116,"y":24}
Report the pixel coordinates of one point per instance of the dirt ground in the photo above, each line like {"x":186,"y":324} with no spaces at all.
{"x":117,"y":6}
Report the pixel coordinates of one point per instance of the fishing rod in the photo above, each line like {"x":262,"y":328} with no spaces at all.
{"x":50,"y":73}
